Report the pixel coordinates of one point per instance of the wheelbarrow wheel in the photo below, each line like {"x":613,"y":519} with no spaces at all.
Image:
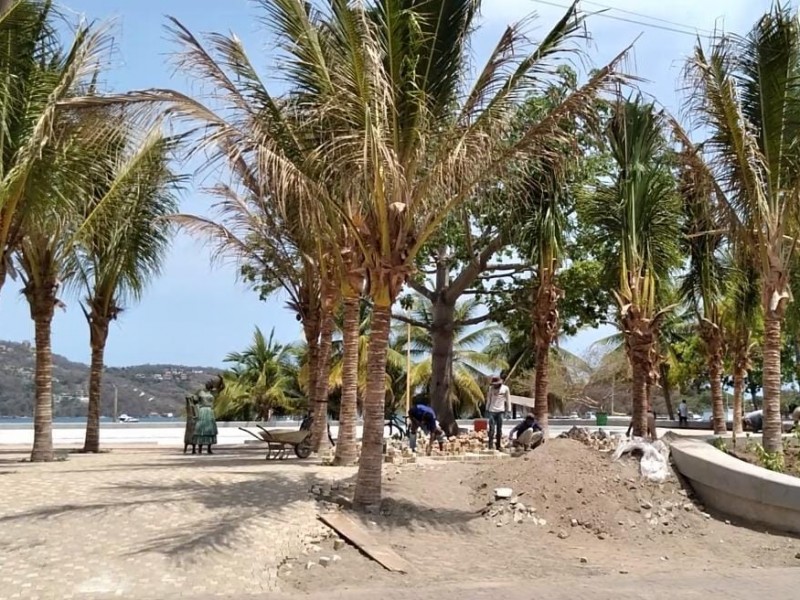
{"x":303,"y":449}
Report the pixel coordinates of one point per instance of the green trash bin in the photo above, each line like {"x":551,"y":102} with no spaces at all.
{"x":602,"y":419}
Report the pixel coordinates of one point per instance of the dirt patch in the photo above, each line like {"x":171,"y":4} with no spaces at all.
{"x":584,"y":516}
{"x":750,"y":453}
{"x":573,"y":486}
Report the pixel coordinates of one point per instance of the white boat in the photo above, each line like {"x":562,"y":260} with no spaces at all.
{"x":126,"y":419}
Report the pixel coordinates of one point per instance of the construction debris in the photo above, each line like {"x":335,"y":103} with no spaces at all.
{"x":599,"y":440}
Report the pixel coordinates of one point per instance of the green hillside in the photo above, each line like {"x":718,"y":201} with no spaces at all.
{"x":142,"y":389}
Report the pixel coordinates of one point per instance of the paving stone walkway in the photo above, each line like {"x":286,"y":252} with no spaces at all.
{"x":152,"y":524}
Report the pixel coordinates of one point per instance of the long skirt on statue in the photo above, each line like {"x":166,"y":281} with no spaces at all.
{"x":205,"y":428}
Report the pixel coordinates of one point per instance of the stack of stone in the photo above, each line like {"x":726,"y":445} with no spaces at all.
{"x":599,"y":440}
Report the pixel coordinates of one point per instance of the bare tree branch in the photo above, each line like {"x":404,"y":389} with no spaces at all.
{"x":474,"y":320}
{"x":410,"y":321}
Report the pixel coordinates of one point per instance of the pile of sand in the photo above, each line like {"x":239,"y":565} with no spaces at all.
{"x":574,"y":486}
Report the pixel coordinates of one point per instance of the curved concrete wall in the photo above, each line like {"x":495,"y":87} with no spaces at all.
{"x":737,"y":488}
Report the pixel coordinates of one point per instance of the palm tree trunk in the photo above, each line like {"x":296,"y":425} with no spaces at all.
{"x":773,"y":428}
{"x":666,"y":388}
{"x":368,"y":480}
{"x":741,"y":362}
{"x":639,"y":394}
{"x":319,"y":427}
{"x":541,"y":382}
{"x":98,"y":336}
{"x":545,"y":330}
{"x":42,"y":311}
{"x":712,"y":338}
{"x":346,"y":448}
{"x":442,"y":340}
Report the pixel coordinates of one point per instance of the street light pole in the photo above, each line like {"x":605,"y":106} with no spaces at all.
{"x":116,"y":399}
{"x":408,"y":368}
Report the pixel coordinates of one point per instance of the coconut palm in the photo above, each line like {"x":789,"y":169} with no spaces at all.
{"x":60,"y":155}
{"x":396,"y":148}
{"x":259,"y":381}
{"x":636,"y":221}
{"x":741,"y":318}
{"x":703,"y":284}
{"x":746,"y":93}
{"x":124,"y":249}
{"x":471,"y":363}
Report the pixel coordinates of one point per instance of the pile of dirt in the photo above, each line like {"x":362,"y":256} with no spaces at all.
{"x":571,"y":485}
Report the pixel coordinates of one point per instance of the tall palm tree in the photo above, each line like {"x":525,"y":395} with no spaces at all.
{"x":746,"y":94}
{"x":703,"y":284}
{"x":401,"y":149}
{"x":125,"y":248}
{"x":60,"y":154}
{"x":636,"y":218}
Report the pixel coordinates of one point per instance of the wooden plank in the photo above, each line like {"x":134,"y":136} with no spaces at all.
{"x":361,"y":539}
{"x":522,"y":401}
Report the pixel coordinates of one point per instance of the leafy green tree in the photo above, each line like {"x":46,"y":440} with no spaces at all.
{"x":471,"y":363}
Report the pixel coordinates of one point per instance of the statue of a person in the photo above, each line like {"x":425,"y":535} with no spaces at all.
{"x":205,"y":427}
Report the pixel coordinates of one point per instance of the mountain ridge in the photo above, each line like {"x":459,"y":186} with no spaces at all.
{"x":141,"y":389}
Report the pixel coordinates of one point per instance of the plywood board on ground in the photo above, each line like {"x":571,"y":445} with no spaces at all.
{"x":363,"y":540}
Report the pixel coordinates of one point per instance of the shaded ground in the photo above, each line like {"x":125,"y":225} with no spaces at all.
{"x":152,"y":524}
{"x":592,"y":519}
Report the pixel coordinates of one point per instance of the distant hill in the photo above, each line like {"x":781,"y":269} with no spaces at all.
{"x":142,"y":389}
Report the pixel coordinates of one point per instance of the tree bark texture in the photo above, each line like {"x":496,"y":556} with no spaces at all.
{"x":545,"y":330}
{"x":741,"y":363}
{"x":714,"y":348}
{"x":640,"y":339}
{"x":541,"y":409}
{"x":319,"y":426}
{"x":98,"y":334}
{"x":773,"y":428}
{"x":368,"y":480}
{"x":442,"y":340}
{"x":42,"y":309}
{"x":346,"y":447}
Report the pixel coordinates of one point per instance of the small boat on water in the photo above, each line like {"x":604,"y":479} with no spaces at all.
{"x":126,"y":419}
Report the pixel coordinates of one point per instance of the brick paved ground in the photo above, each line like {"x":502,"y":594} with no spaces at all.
{"x":152,"y":524}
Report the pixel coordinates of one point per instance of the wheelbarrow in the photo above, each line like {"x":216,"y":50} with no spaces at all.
{"x":281,"y":441}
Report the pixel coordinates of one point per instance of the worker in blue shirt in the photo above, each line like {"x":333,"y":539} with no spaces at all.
{"x":528,"y":434}
{"x":422,"y":416}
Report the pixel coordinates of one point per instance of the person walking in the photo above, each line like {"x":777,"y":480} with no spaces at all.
{"x":683,"y":414}
{"x":498,"y":403}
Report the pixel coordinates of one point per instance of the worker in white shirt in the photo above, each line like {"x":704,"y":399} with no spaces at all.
{"x":498,"y":403}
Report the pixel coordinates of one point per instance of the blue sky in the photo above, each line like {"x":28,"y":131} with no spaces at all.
{"x":195,"y":313}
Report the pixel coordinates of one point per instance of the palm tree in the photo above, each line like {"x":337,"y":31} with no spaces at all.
{"x":471,"y":363}
{"x":740,"y":318}
{"x":636,"y":218}
{"x":124,"y":249}
{"x":746,"y":95}
{"x":61,"y":153}
{"x":703,"y":285}
{"x":399,"y":150}
{"x":259,"y":381}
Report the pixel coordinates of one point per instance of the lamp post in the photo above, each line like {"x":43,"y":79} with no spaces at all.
{"x":408,"y":367}
{"x":116,"y":399}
